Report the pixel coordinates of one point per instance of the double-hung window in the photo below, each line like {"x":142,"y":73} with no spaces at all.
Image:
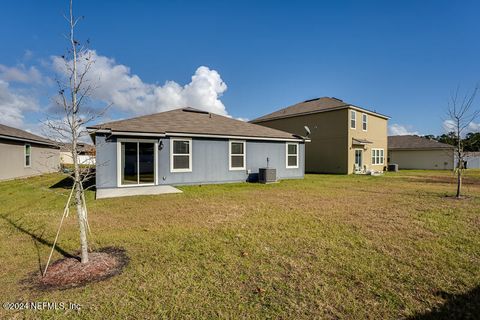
{"x":180,"y":155}
{"x":364,"y":121}
{"x":353,"y":119}
{"x":237,"y":155}
{"x":377,"y":156}
{"x":28,"y":155}
{"x":292,"y":155}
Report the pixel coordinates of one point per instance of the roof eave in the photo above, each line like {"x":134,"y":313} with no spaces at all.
{"x":93,"y":131}
{"x":416,"y":149}
{"x":231,"y":136}
{"x":52,"y":144}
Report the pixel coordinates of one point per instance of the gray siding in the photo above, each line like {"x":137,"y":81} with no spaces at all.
{"x":44,"y":159}
{"x":209,"y":162}
{"x":106,"y":162}
{"x":422,"y":159}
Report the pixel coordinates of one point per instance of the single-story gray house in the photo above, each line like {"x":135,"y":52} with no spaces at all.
{"x":414,"y":152}
{"x":23,"y":154}
{"x":189,"y":146}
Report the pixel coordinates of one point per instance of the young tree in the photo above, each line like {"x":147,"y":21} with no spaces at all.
{"x":69,"y":119}
{"x":461,"y":113}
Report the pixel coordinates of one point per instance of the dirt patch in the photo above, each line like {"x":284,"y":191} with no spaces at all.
{"x":69,"y":272}
{"x":442,"y":180}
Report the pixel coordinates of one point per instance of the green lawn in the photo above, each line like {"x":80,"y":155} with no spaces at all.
{"x":329,"y":246}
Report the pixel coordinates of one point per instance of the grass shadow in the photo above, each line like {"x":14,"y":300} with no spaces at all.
{"x":67,"y":183}
{"x":456,"y":306}
{"x":38,"y":239}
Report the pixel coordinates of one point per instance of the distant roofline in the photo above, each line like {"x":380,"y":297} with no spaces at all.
{"x":439,"y":146}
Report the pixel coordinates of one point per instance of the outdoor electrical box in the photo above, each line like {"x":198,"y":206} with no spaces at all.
{"x":267,"y":175}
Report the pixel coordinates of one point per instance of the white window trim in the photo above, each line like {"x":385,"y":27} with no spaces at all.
{"x":25,"y":156}
{"x":381,"y":155}
{"x":286,"y":155}
{"x":354,"y":119}
{"x":119,"y":162}
{"x":230,"y":155}
{"x":365,"y":122}
{"x":189,"y":169}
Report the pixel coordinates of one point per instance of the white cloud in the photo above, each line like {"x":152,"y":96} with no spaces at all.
{"x":27,"y":55}
{"x":20,"y":73}
{"x":400,"y":130}
{"x":449,"y":125}
{"x":13,"y":104}
{"x":116,"y":84}
{"x":474,"y":127}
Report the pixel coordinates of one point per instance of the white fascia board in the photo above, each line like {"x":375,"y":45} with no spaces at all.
{"x":127,"y":133}
{"x":176,"y":134}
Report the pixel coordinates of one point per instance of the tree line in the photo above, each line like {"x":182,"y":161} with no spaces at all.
{"x":470,"y":143}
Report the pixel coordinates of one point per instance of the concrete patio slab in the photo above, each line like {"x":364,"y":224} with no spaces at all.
{"x":135,"y":191}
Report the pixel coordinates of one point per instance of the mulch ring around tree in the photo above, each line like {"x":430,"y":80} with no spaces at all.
{"x":69,"y":272}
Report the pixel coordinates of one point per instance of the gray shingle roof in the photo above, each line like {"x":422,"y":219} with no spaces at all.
{"x":311,"y":106}
{"x":412,"y":142}
{"x":193,"y":121}
{"x":17,"y":134}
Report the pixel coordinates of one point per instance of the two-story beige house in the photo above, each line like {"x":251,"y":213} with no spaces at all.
{"x":345,"y":138}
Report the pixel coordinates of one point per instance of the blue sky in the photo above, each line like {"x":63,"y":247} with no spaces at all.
{"x":400,"y":58}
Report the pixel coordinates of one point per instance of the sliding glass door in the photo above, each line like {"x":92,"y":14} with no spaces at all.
{"x":146,"y":163}
{"x":137,"y":163}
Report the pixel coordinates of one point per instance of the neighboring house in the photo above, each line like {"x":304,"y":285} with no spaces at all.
{"x":345,"y":138}
{"x":472,"y":160}
{"x":188,"y":146}
{"x":414,"y":152}
{"x":86,"y":154}
{"x":23,"y":154}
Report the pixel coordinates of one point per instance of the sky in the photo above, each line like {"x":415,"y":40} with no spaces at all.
{"x":246,"y":58}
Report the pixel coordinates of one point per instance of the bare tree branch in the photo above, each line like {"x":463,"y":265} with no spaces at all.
{"x":460,"y":115}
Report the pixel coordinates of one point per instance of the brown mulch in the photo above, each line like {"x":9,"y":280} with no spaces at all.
{"x":69,"y":272}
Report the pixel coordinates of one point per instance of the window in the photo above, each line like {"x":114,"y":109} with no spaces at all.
{"x":180,"y":155}
{"x":137,"y":163}
{"x":292,"y":155}
{"x":237,"y":155}
{"x":28,"y":155}
{"x":364,"y":122}
{"x":353,"y":119}
{"x":377,"y":156}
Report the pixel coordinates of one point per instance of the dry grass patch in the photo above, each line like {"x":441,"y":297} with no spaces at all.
{"x":325,"y":247}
